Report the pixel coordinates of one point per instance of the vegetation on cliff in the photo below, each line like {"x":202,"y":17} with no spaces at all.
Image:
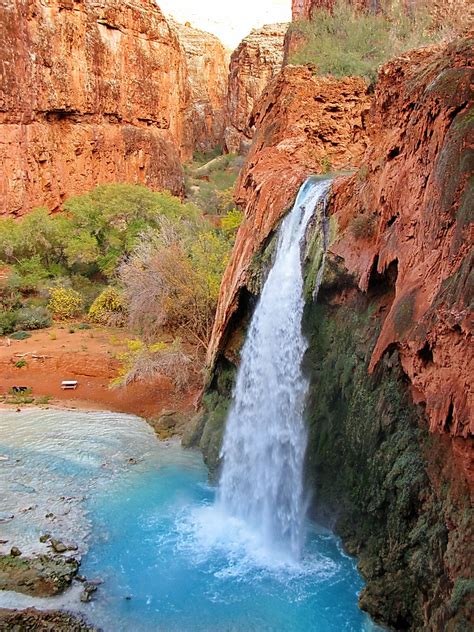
{"x":345,"y":41}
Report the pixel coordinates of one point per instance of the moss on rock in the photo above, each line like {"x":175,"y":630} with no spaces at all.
{"x":367,"y":466}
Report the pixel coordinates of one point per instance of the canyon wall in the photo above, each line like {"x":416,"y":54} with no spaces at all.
{"x":208,"y":71}
{"x":91,"y":92}
{"x":253,"y":63}
{"x":390,"y":410}
{"x":304,"y":124}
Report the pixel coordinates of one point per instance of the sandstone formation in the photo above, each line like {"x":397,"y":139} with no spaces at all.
{"x":91,"y":92}
{"x":304,"y":124}
{"x":390,"y":358}
{"x":414,"y":196}
{"x":208,"y":67}
{"x":256,"y":60}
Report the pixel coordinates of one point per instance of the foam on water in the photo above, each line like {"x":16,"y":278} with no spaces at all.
{"x":168,"y":561}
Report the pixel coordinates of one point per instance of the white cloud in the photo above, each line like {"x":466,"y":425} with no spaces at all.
{"x":230,"y":21}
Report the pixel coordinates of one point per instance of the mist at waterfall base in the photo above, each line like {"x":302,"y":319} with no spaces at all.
{"x":148,"y":530}
{"x":172,"y":555}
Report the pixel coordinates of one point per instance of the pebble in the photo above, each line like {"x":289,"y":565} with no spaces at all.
{"x":15,"y":551}
{"x":44,"y":537}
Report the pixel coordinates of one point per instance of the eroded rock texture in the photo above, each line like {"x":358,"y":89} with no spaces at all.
{"x":408,"y":214}
{"x":208,"y":70}
{"x":304,"y":124}
{"x":254,"y":62}
{"x":390,"y":359}
{"x":91,"y":92}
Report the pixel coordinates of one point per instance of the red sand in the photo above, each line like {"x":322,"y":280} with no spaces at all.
{"x":88,"y":356}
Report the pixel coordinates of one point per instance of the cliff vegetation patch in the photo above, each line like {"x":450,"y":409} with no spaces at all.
{"x":345,"y":41}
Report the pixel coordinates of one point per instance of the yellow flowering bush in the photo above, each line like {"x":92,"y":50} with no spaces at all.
{"x":108,"y":308}
{"x":64,"y":302}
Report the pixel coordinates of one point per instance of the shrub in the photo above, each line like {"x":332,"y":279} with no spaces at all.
{"x":172,"y":281}
{"x":21,"y":363}
{"x":64,"y":302}
{"x":108,"y":308}
{"x":33,"y":318}
{"x":232,"y":220}
{"x":7,"y":322}
{"x":345,"y":41}
{"x":363,"y":225}
{"x":143,"y":362}
{"x":20,"y":335}
{"x":20,"y":398}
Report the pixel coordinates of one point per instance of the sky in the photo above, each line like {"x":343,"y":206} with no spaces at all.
{"x":230,"y":20}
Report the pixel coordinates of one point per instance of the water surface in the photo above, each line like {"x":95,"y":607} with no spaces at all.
{"x":169,"y":559}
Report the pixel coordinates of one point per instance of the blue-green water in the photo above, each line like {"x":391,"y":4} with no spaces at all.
{"x":169,"y":561}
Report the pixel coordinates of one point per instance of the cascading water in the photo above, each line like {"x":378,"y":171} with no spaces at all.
{"x":265,"y":438}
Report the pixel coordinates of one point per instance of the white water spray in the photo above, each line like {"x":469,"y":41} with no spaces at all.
{"x":265,"y":438}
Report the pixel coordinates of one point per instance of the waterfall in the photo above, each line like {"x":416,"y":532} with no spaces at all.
{"x":265,"y":439}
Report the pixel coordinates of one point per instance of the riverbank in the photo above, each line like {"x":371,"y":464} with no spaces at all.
{"x":66,"y":352}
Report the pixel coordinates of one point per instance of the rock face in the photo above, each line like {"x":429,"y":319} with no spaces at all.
{"x":208,"y":67}
{"x":412,"y":200}
{"x":390,"y":356}
{"x":92,"y":92}
{"x":304,"y":124}
{"x":256,"y":60}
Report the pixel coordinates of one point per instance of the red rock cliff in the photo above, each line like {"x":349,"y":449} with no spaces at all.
{"x":91,"y":91}
{"x":256,"y":60}
{"x":208,"y":70}
{"x":304,"y":124}
{"x":405,"y":218}
{"x":414,"y":197}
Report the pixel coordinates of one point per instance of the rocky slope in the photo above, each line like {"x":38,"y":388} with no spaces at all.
{"x":208,"y":67}
{"x":254,"y":62}
{"x":390,"y":409}
{"x":91,"y":92}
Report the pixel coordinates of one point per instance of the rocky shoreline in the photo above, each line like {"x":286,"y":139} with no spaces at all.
{"x":42,"y":621}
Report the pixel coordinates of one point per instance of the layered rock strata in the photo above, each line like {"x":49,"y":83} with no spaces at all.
{"x":390,"y":358}
{"x":304,"y":124}
{"x":208,"y":71}
{"x":254,"y":62}
{"x":91,"y":92}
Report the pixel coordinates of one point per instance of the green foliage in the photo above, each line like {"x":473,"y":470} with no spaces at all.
{"x":20,"y":335}
{"x":345,"y":41}
{"x":144,"y":361}
{"x":24,"y":397}
{"x":210,"y":186}
{"x":93,"y":233}
{"x":232,"y":220}
{"x":21,"y":363}
{"x":172,"y":280}
{"x":64,"y":302}
{"x":326,"y":164}
{"x":106,"y":223}
{"x":108,"y":308}
{"x":33,"y":318}
{"x":7,"y":322}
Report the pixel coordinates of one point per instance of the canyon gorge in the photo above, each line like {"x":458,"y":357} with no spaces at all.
{"x":96,"y":92}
